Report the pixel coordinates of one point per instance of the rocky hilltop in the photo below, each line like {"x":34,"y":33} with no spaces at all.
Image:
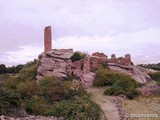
{"x":57,"y":62}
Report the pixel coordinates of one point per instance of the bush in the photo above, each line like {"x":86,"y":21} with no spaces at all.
{"x":37,"y":105}
{"x":132,"y":93}
{"x":28,"y":89}
{"x":3,"y":69}
{"x":8,"y":100}
{"x":49,"y":96}
{"x":124,"y":85}
{"x":18,"y":89}
{"x":155,"y":76}
{"x":29,"y":72}
{"x":59,"y":100}
{"x":105,"y":77}
{"x":77,"y":56}
{"x":120,"y":84}
{"x":4,"y":77}
{"x":56,"y":90}
{"x":15,"y":69}
{"x":78,"y":109}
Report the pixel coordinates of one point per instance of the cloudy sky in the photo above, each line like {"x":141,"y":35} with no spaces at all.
{"x":109,"y":26}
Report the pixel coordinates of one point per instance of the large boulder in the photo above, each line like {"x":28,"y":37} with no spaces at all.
{"x":132,"y":71}
{"x":56,"y":63}
{"x":87,"y":78}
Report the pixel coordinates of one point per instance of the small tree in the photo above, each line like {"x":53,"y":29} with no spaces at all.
{"x":3,"y":69}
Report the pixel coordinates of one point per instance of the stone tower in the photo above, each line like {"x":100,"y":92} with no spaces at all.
{"x":47,"y":39}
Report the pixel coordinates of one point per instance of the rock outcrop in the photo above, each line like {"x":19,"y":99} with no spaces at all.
{"x":132,"y":71}
{"x":56,"y":63}
{"x":150,"y":90}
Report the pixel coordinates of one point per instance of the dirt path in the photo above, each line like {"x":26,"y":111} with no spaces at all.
{"x":105,"y":103}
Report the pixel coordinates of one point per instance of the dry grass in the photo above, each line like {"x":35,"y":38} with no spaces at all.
{"x":143,"y":105}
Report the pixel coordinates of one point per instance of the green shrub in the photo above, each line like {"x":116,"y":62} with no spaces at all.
{"x":155,"y":76}
{"x":56,"y":90}
{"x":77,"y":56}
{"x":151,"y":66}
{"x":28,"y":89}
{"x":4,"y":77}
{"x":132,"y":93}
{"x":20,"y":88}
{"x":3,"y":69}
{"x":124,"y":85}
{"x":25,"y":75}
{"x":105,"y":77}
{"x":120,"y":84}
{"x":78,"y":109}
{"x":8,"y":99}
{"x":48,"y":96}
{"x":12,"y":83}
{"x":37,"y":105}
{"x":29,"y":72}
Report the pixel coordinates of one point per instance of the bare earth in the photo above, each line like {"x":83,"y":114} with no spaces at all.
{"x":105,"y":102}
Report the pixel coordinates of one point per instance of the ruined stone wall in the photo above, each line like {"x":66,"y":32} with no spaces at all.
{"x":121,"y":60}
{"x":98,"y":58}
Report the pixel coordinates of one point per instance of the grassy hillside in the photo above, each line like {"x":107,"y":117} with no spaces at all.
{"x":49,"y":97}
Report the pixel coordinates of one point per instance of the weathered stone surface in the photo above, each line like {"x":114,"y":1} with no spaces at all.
{"x":87,"y":78}
{"x":56,"y":63}
{"x":150,"y":90}
{"x":96,"y":62}
{"x":78,"y":64}
{"x":113,"y":56}
{"x":86,"y":64}
{"x":48,"y":63}
{"x":128,"y":59}
{"x":121,"y":60}
{"x":100,"y":55}
{"x":47,"y":39}
{"x":132,"y":71}
{"x":63,"y":54}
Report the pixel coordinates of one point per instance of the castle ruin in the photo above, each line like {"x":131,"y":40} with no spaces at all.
{"x":47,"y":39}
{"x":57,"y":62}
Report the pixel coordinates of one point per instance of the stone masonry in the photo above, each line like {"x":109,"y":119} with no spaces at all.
{"x":47,"y":39}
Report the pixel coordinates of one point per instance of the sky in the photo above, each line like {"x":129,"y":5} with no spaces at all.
{"x":109,"y":26}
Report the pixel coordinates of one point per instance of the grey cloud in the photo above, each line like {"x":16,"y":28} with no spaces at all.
{"x":22,"y":22}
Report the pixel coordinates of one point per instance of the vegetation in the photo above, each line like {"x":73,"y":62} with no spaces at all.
{"x":49,"y":96}
{"x":15,"y":69}
{"x":77,"y":56}
{"x":4,"y":77}
{"x":155,"y":76}
{"x":105,"y":77}
{"x":151,"y":66}
{"x":143,"y":105}
{"x":119,"y":83}
{"x":124,"y":85}
{"x":3,"y":69}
